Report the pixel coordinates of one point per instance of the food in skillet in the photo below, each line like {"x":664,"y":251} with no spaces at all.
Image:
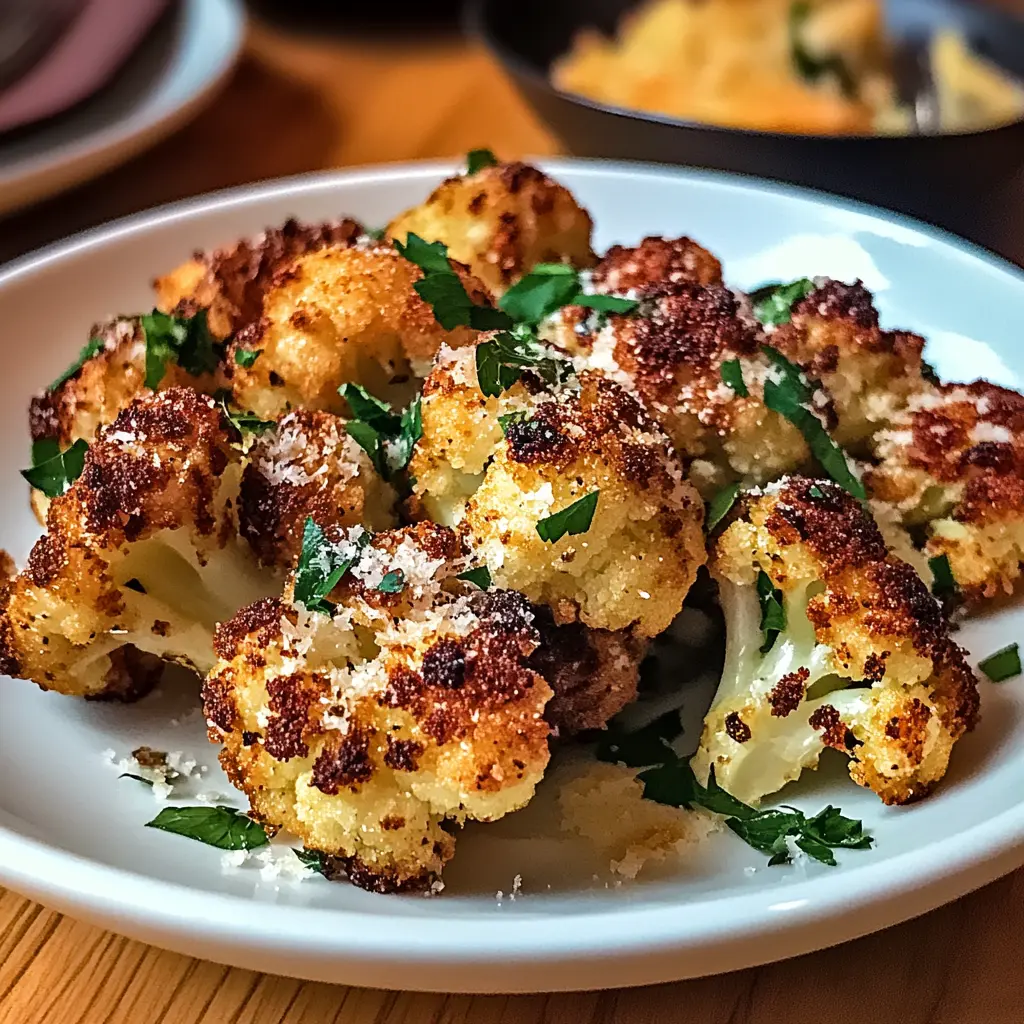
{"x":421,"y":526}
{"x":811,"y":67}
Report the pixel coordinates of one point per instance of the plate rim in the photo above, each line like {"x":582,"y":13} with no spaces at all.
{"x":653,"y":942}
{"x":43,"y":175}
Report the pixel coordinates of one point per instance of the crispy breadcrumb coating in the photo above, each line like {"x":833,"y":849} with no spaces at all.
{"x":670,"y":354}
{"x":955,"y":461}
{"x":502,"y":221}
{"x":634,"y":564}
{"x":142,"y":550}
{"x":864,"y":662}
{"x":365,"y":732}
{"x":869,"y":373}
{"x":655,"y":266}
{"x":341,"y":314}
{"x":230,"y":282}
{"x":307,"y":465}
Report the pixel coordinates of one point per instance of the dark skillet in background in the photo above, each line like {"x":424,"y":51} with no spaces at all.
{"x":972,"y":183}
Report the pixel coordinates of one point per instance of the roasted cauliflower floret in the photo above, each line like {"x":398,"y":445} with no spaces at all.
{"x":655,"y":266}
{"x":307,"y":465}
{"x":370,"y":731}
{"x":109,"y":373}
{"x":230,"y":282}
{"x":142,"y":552}
{"x":502,"y":221}
{"x":830,"y":642}
{"x":954,"y":460}
{"x":670,"y":353}
{"x":341,"y":314}
{"x":870,"y":373}
{"x":506,"y":469}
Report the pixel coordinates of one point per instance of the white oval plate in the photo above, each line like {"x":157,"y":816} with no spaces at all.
{"x":164,"y":83}
{"x":71,"y":832}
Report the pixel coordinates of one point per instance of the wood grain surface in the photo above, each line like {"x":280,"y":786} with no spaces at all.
{"x":304,"y":103}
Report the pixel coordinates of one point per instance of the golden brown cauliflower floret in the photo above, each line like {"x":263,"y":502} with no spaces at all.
{"x":870,"y":373}
{"x":631,"y":564}
{"x":307,"y":465}
{"x":141,"y":554}
{"x":670,"y":354}
{"x":341,"y":314}
{"x":230,"y":282}
{"x":502,"y":221}
{"x":364,"y":732}
{"x":955,"y":460}
{"x":852,"y":653}
{"x":655,"y":266}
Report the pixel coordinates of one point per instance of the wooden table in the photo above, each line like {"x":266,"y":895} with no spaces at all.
{"x":298,"y":105}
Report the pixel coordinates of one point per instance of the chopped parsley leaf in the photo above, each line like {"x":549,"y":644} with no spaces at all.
{"x":89,"y":349}
{"x":773,"y":611}
{"x":773,"y":303}
{"x":815,"y":492}
{"x":442,"y":289}
{"x":55,"y":475}
{"x":510,"y":419}
{"x":573,"y":519}
{"x":220,"y":826}
{"x":501,"y":361}
{"x":321,"y":567}
{"x":549,"y":287}
{"x":313,"y":859}
{"x":479,"y":577}
{"x":45,"y":449}
{"x":732,"y":376}
{"x":185,"y":341}
{"x":243,"y":422}
{"x":1004,"y":664}
{"x":377,"y":234}
{"x":943,"y":581}
{"x":789,"y":397}
{"x":719,"y":505}
{"x":245,"y":357}
{"x":388,"y":438}
{"x":478,"y":159}
{"x":393,"y":582}
{"x":675,"y":784}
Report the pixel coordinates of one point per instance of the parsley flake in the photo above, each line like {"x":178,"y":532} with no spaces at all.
{"x":549,"y":287}
{"x":574,"y":519}
{"x":773,"y":611}
{"x":1004,"y":664}
{"x":943,"y":580}
{"x":245,"y":357}
{"x":89,"y":349}
{"x":479,"y":577}
{"x":243,"y":422}
{"x":789,"y":397}
{"x":220,"y":826}
{"x":478,"y":159}
{"x":393,"y":582}
{"x":54,"y":475}
{"x":388,"y":438}
{"x":773,"y":303}
{"x":511,"y":419}
{"x":185,"y":341}
{"x":719,"y":506}
{"x":313,"y":859}
{"x":442,"y":289}
{"x":732,"y":376}
{"x":673,"y":783}
{"x":501,"y":361}
{"x":322,"y":564}
{"x":815,"y":492}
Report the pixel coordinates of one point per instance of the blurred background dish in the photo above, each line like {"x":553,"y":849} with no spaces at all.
{"x":177,"y":66}
{"x":917,"y":173}
{"x":813,"y":67}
